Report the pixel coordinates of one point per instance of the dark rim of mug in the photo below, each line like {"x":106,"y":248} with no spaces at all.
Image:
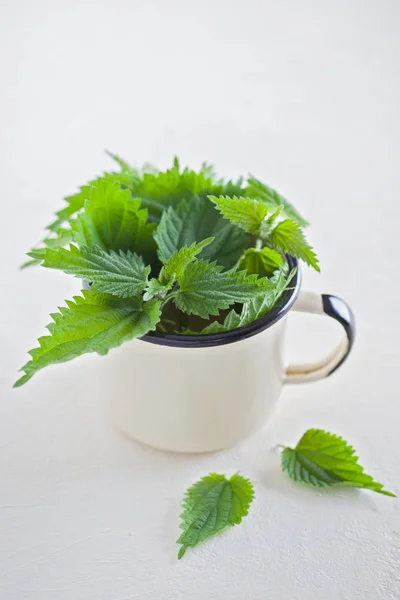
{"x":235,"y":335}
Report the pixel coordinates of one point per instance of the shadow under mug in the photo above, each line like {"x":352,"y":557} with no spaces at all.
{"x":201,"y":393}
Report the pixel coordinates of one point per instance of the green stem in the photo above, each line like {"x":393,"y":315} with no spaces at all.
{"x":167,"y":299}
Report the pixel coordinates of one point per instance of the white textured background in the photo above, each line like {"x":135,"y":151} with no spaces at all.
{"x":302,"y":93}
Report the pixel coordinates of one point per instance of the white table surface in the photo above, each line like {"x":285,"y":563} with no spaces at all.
{"x":303,"y":94}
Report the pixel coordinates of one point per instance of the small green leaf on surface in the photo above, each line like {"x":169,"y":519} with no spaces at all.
{"x":122,"y":274}
{"x":211,"y":505}
{"x":324,"y":459}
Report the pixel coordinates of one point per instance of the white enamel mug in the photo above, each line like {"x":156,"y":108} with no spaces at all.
{"x":208,"y":392}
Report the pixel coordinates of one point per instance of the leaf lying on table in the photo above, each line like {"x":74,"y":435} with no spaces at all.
{"x":211,"y":505}
{"x":91,"y":323}
{"x":323,"y":459}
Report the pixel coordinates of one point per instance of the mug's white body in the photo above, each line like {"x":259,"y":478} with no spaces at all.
{"x":196,"y":399}
{"x":209,"y":397}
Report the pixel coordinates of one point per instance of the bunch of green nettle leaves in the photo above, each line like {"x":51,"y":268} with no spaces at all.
{"x":171,"y":251}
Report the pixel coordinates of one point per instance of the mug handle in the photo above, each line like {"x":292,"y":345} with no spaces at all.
{"x":309,"y":301}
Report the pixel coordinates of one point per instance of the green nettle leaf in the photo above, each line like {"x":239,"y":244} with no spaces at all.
{"x":247,"y":213}
{"x":255,"y":217}
{"x":37,"y":254}
{"x":158,"y":189}
{"x":156,"y":289}
{"x":323,"y":459}
{"x":196,"y":220}
{"x":62,"y":237}
{"x":263,"y":262}
{"x":162,"y":189}
{"x":91,"y":323}
{"x":30,"y":263}
{"x":76,"y":202}
{"x":174,"y":269}
{"x":180,"y":259}
{"x":261,"y":305}
{"x":204,"y":289}
{"x":256,"y":189}
{"x":211,"y":505}
{"x":288,"y":237}
{"x":113,"y":220}
{"x":231,"y":321}
{"x":122,"y":274}
{"x":256,"y":308}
